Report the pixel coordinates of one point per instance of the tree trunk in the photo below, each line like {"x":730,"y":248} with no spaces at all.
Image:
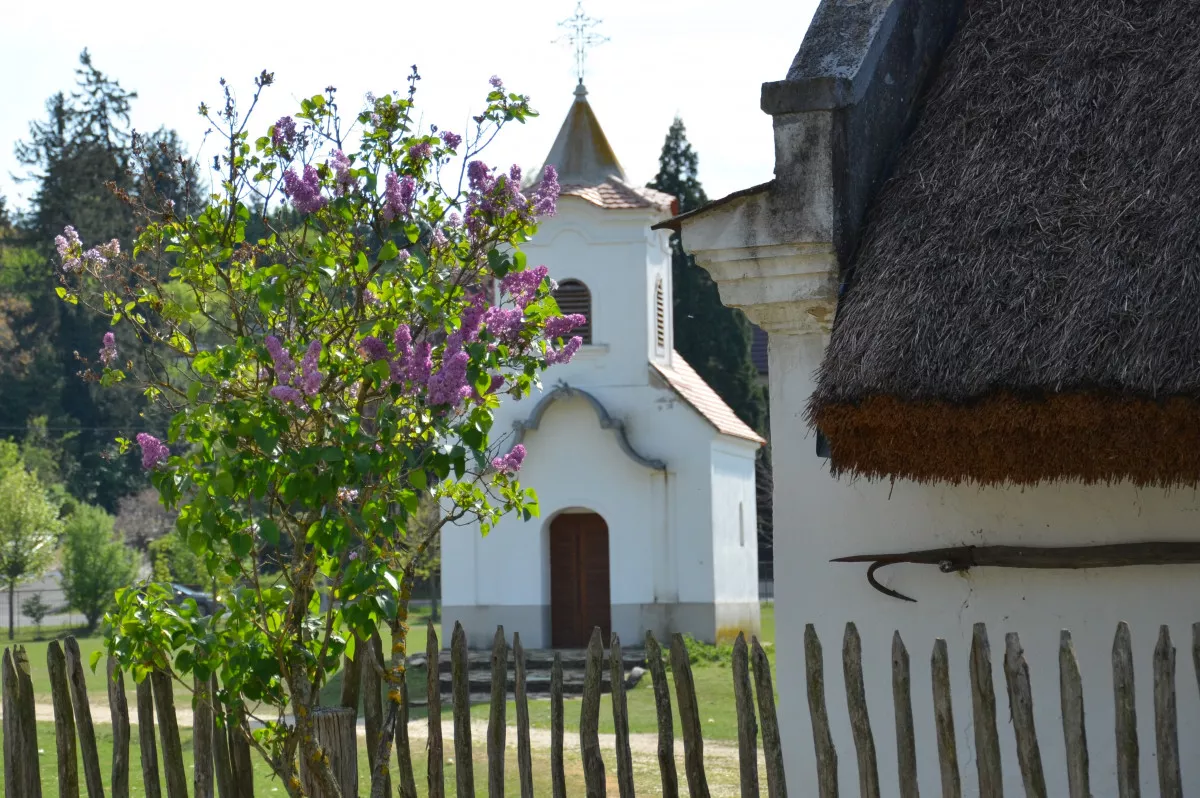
{"x":435,"y":593}
{"x":12,"y":586}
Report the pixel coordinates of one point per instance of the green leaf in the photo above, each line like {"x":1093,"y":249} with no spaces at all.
{"x":95,"y":658}
{"x":269,"y":530}
{"x":388,"y":252}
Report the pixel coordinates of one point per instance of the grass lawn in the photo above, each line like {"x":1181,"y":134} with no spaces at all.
{"x":97,"y":684}
{"x":714,"y":685}
{"x":714,"y":691}
{"x":266,"y":784}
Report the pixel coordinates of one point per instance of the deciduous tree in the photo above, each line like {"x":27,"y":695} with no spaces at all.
{"x":29,"y":528}
{"x":95,"y":562}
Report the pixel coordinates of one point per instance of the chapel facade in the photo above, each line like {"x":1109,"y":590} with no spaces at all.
{"x":645,"y":477}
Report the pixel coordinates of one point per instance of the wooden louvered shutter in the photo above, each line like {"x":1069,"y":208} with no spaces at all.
{"x":660,"y":318}
{"x":574,"y":297}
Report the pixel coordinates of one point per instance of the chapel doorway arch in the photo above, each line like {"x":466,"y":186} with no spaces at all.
{"x":579,"y":579}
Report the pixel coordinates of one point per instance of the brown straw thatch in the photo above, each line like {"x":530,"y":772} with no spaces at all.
{"x":1025,"y":305}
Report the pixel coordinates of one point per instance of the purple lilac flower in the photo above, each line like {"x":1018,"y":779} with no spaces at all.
{"x":373,"y":349}
{"x":472,"y":317}
{"x":545,"y":198}
{"x":514,"y":184}
{"x":285,"y":131}
{"x":454,"y":220}
{"x":496,"y":82}
{"x":451,"y":140}
{"x":398,"y":194}
{"x":565,"y":354}
{"x":420,"y":151}
{"x":421,"y":365}
{"x":310,"y":382}
{"x":511,"y":462}
{"x":284,"y":365}
{"x":341,"y":172}
{"x":154,"y":451}
{"x":438,"y":238}
{"x":504,"y":324}
{"x":479,"y":177}
{"x":286,"y":393}
{"x":370,"y":298}
{"x":347,"y":494}
{"x":305,"y":192}
{"x":561,"y":325}
{"x":108,"y":352}
{"x":523,"y":286}
{"x":449,"y":385}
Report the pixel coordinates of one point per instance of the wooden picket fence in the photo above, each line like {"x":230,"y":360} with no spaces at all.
{"x":988,"y":763}
{"x":223,"y":765}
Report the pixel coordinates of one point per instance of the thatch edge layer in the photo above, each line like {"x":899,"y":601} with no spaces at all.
{"x":1005,"y":439}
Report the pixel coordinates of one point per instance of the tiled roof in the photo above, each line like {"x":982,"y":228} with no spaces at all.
{"x":758,"y":349}
{"x":614,"y":194}
{"x":700,"y":395}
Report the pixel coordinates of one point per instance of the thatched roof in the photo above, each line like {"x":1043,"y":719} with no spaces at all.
{"x":1025,"y":302}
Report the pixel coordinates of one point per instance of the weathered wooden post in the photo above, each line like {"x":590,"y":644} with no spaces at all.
{"x":334,"y":728}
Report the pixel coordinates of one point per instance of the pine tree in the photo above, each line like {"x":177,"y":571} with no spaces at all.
{"x":713,"y":338}
{"x":87,"y":166}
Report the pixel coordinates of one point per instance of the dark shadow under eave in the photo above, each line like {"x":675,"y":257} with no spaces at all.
{"x":1003,"y":439}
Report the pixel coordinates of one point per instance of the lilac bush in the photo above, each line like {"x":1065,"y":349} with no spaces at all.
{"x":325,"y":380}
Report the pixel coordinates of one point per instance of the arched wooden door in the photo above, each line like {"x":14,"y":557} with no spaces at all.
{"x":579,"y":579}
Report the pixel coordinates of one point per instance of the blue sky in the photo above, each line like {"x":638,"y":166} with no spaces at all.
{"x":702,"y":59}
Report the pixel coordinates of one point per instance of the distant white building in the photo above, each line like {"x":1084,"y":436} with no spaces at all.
{"x":645,"y":477}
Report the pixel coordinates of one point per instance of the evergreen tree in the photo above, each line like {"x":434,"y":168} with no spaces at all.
{"x":87,"y":167}
{"x":714,"y":338}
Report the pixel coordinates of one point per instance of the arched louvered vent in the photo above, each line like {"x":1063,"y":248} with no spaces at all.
{"x":574,"y":297}
{"x":660,"y":318}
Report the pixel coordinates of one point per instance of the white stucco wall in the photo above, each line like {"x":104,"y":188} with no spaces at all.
{"x":617,"y":257}
{"x":735,"y":522}
{"x":818,"y":518}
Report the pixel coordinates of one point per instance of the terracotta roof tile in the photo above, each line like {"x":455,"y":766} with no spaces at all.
{"x":614,"y":194}
{"x":700,"y":395}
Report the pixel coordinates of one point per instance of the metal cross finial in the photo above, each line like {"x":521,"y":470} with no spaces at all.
{"x":579,"y":34}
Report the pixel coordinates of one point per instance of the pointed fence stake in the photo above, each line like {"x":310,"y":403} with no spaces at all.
{"x":589,"y":720}
{"x":827,"y":762}
{"x":743,"y":698}
{"x":1020,"y":702}
{"x":1166,"y":723}
{"x":860,"y":720}
{"x":666,"y":722}
{"x":464,"y":766}
{"x":83,"y":720}
{"x":689,"y":718}
{"x":64,"y":724}
{"x":616,"y":675}
{"x":118,"y":707}
{"x":943,"y":718}
{"x":906,"y":741}
{"x":434,"y":772}
{"x":983,"y":708}
{"x":496,"y":721}
{"x":524,"y":750}
{"x":1128,"y":778}
{"x":558,"y":775}
{"x":1070,"y":688}
{"x":772,"y":745}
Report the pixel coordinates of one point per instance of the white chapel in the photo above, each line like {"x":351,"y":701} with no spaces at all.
{"x":644,"y":476}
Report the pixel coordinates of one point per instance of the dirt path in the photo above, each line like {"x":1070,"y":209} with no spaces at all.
{"x":642,"y":745}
